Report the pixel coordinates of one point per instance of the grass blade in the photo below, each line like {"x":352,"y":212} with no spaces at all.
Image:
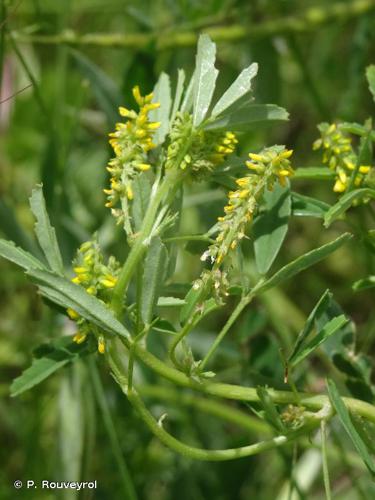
{"x":347,"y":423}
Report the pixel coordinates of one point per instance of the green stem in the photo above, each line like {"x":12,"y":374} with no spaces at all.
{"x":232,"y":318}
{"x":178,"y":339}
{"x":129,"y":490}
{"x":215,"y":408}
{"x":237,"y":392}
{"x":192,"y":237}
{"x":325,"y":459}
{"x":309,"y":20}
{"x":170,"y":183}
{"x":203,"y":454}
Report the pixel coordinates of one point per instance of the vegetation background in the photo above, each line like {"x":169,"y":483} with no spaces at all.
{"x":73,"y":63}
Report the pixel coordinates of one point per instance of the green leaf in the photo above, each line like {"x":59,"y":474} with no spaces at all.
{"x":9,"y":251}
{"x":364,"y":284}
{"x":305,"y":206}
{"x":321,"y":306}
{"x":270,"y":227}
{"x":245,"y":118}
{"x":178,"y":94}
{"x":55,"y":355}
{"x":153,"y":276}
{"x":45,"y":232}
{"x":301,"y":263}
{"x":142,"y":191}
{"x":370,"y":75}
{"x":192,"y":298}
{"x":345,"y":202}
{"x":187,"y":102}
{"x":105,"y":90}
{"x":162,"y":94}
{"x":270,"y":411}
{"x":329,"y":329}
{"x":67,"y":294}
{"x":205,"y":78}
{"x":313,"y":173}
{"x":170,"y":302}
{"x":366,"y":430}
{"x":240,"y":87}
{"x":347,"y":423}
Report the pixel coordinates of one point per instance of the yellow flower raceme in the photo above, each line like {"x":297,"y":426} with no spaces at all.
{"x":131,"y":142}
{"x":339,"y":155}
{"x":98,"y":279}
{"x":270,"y":166}
{"x":196,"y":150}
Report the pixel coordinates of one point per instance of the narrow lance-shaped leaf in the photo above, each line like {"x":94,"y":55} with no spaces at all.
{"x":154,"y":272}
{"x":321,"y":306}
{"x":270,"y":411}
{"x":240,"y":87}
{"x":306,"y":206}
{"x":329,"y":329}
{"x":345,"y":202}
{"x":370,"y":75}
{"x":67,"y":294}
{"x":178,"y":94}
{"x":45,"y":232}
{"x":142,"y":192}
{"x":314,"y":173}
{"x":364,"y":284}
{"x":56,"y":355}
{"x":162,"y":94}
{"x":301,"y":263}
{"x":347,"y":423}
{"x":9,"y":251}
{"x":187,"y":102}
{"x":270,"y":227}
{"x":245,"y":118}
{"x":170,"y":302}
{"x":205,"y":78}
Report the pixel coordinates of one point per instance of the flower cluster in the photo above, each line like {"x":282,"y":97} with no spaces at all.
{"x":98,"y":279}
{"x":340,"y":157}
{"x":131,"y":142}
{"x":269,"y":166}
{"x":197,"y":150}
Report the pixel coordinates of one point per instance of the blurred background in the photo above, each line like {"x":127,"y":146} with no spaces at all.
{"x":65,"y":67}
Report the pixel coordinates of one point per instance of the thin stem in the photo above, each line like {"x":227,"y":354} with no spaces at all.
{"x":327,"y":485}
{"x":170,"y":182}
{"x":203,"y":454}
{"x":309,"y":20}
{"x":237,"y":392}
{"x":215,"y":408}
{"x":191,"y":237}
{"x":232,"y":318}
{"x":128,"y":486}
{"x":178,"y":339}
